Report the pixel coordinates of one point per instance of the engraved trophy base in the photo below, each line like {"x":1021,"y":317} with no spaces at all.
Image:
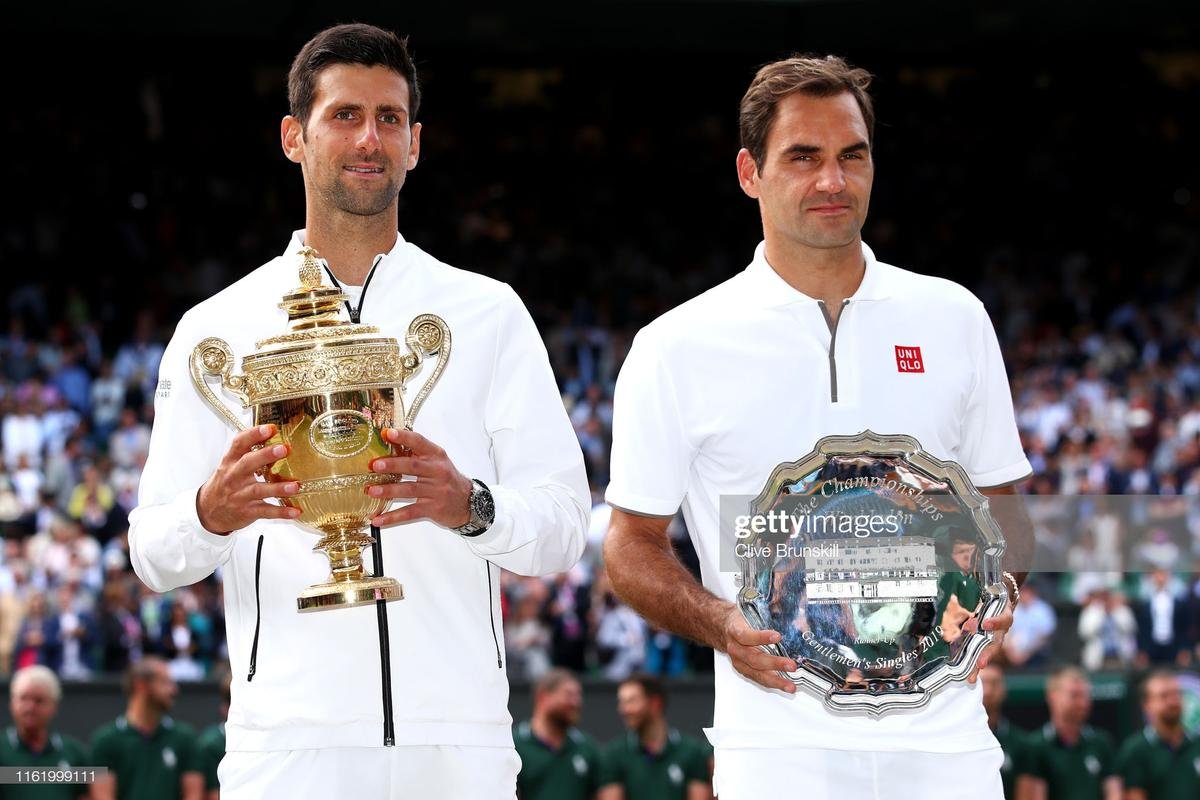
{"x":348,"y":583}
{"x":347,"y":594}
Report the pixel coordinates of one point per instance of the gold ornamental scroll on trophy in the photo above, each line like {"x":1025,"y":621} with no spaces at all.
{"x":330,"y":387}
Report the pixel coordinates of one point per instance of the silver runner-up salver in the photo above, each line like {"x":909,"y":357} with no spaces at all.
{"x":877,"y":564}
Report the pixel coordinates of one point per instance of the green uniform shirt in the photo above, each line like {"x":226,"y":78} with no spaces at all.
{"x":61,"y":752}
{"x":1148,"y":763}
{"x":147,"y":767}
{"x":573,"y":772}
{"x":963,"y":585}
{"x":212,"y":750}
{"x":1071,"y":773}
{"x":1013,"y":743}
{"x":664,"y":776}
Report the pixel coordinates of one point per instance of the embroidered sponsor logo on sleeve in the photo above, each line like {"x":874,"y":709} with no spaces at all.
{"x":908,"y":359}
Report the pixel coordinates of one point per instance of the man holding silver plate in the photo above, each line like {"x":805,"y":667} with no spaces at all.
{"x":824,"y":419}
{"x":368,"y":374}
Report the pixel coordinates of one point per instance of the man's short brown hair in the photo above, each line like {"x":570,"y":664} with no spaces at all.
{"x":811,"y":75}
{"x":363,"y":45}
{"x":553,"y":678}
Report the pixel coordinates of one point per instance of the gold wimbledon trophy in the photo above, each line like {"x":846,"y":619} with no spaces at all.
{"x":330,"y":388}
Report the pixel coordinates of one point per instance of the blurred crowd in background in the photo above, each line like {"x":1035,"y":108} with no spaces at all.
{"x":605,"y":202}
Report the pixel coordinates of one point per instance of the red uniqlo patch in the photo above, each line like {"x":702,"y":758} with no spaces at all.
{"x":908,"y":359}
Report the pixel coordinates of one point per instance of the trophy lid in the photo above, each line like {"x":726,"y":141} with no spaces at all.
{"x":314,"y":310}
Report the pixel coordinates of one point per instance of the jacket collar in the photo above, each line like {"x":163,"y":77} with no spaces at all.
{"x":292,"y":260}
{"x":769,"y":290}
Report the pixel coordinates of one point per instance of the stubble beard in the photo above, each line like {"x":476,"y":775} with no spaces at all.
{"x":820,"y":237}
{"x":361,"y":203}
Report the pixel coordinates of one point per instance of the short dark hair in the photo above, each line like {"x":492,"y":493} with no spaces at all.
{"x":553,"y":678}
{"x":349,"y":44}
{"x":811,"y":75}
{"x":652,"y":686}
{"x":1062,"y":673}
{"x":1158,"y":674}
{"x":140,"y":671}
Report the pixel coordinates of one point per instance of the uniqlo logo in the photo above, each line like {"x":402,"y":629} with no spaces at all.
{"x":908,"y":359}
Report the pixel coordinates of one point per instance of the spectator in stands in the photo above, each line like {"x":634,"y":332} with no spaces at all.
{"x":10,"y":505}
{"x":1011,"y":738}
{"x":14,"y":590}
{"x":620,"y":635}
{"x":29,"y":741}
{"x":526,"y":636}
{"x":129,"y":444}
{"x":148,"y":754}
{"x":38,"y":640}
{"x":27,"y":483}
{"x":1161,"y":761}
{"x":1068,"y":759}
{"x":558,"y":761}
{"x":64,"y":471}
{"x":121,"y":639}
{"x":568,"y":608}
{"x":92,"y":502}
{"x":1163,"y":625}
{"x":22,"y":435}
{"x":180,"y":645}
{"x":136,"y":365}
{"x":108,"y":400}
{"x":77,"y":633}
{"x":1029,"y":641}
{"x":653,"y":761}
{"x":1107,"y":631}
{"x":666,"y":653}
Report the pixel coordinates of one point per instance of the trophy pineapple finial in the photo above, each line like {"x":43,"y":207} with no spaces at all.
{"x":310,"y":270}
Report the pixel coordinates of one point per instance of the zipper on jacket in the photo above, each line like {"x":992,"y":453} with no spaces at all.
{"x":385,"y":646}
{"x":833,"y":326}
{"x":257,"y":612}
{"x":355,"y":313}
{"x":381,"y":617}
{"x":487,"y":565}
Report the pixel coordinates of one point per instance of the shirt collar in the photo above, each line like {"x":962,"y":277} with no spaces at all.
{"x":297,"y":242}
{"x":1153,"y":738}
{"x":772,"y":291}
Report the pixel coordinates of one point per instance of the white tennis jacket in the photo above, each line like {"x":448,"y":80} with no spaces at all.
{"x":315,"y":680}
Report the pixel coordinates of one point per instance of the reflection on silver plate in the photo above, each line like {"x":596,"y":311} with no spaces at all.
{"x":877,"y":564}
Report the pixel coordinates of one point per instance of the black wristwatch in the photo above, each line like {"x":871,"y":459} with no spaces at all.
{"x":482,"y":508}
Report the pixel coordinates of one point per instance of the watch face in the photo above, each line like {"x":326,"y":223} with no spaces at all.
{"x":484,"y":506}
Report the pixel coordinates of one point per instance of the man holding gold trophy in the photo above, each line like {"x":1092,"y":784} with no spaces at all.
{"x":823,"y":420}
{"x":378,"y":388}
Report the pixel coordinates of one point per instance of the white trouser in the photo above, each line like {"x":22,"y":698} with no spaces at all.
{"x":372,"y":773}
{"x":855,"y":775}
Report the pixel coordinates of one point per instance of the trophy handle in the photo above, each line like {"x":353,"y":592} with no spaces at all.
{"x":213,"y":357}
{"x":428,"y":334}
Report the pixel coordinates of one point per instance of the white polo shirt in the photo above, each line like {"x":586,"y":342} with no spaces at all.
{"x":719,"y":391}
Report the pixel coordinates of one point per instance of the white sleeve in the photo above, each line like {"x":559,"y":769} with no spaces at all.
{"x":651,"y":455}
{"x":541,"y":492}
{"x":991,"y":447}
{"x":167,"y":544}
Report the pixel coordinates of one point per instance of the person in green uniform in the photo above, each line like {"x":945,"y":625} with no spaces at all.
{"x":1011,"y":738}
{"x":1161,"y":762}
{"x":149,"y":755}
{"x":652,"y":761}
{"x":212,"y":743}
{"x":558,"y":761}
{"x":29,"y":742}
{"x":1068,"y":759}
{"x":959,"y":591}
